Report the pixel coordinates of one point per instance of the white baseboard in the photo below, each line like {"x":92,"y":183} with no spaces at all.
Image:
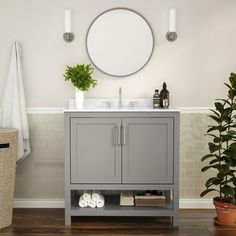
{"x":196,"y":203}
{"x":39,"y":203}
{"x":59,"y":203}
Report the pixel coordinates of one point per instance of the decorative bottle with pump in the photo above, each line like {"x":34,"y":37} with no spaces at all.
{"x":164,"y":97}
{"x":156,"y":99}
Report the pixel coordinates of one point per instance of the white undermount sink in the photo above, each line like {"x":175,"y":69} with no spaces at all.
{"x":113,"y":104}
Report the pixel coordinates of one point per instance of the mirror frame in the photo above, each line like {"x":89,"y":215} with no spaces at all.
{"x":113,"y":9}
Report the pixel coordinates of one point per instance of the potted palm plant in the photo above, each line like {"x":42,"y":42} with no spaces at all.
{"x":81,"y":77}
{"x":222,"y":156}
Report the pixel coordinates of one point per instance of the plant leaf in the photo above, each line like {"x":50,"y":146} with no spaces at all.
{"x":215,"y":112}
{"x":217,"y":139}
{"x":205,"y":168}
{"x":207,"y":156}
{"x":223,"y":169}
{"x":226,"y":137}
{"x":207,"y":191}
{"x":212,"y":181}
{"x":213,"y":161}
{"x":215,"y":118}
{"x":228,"y":191}
{"x":226,"y":101}
{"x":213,"y":147}
{"x":228,"y":86}
{"x":219,"y":107}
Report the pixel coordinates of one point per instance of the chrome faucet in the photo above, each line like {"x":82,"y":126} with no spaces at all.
{"x":120,"y":98}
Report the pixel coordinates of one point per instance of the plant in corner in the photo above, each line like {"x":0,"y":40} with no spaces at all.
{"x":222,"y":156}
{"x":81,"y":77}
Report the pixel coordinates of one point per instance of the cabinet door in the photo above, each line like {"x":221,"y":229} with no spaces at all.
{"x":147,"y":150}
{"x":95,"y":150}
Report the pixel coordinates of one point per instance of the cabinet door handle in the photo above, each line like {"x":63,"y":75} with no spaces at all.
{"x":118,"y":136}
{"x":123,"y":134}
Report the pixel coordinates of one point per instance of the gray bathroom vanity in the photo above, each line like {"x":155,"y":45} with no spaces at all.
{"x":113,"y":150}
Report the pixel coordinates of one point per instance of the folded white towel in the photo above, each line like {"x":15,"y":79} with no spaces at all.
{"x":87,"y":195}
{"x":82,"y":202}
{"x":91,"y":203}
{"x":100,"y":202}
{"x":127,"y":203}
{"x":96,"y":195}
{"x":126,"y":198}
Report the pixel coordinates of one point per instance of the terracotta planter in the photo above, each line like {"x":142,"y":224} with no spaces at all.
{"x":226,"y":212}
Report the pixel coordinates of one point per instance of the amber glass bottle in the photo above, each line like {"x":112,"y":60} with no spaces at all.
{"x":164,"y":97}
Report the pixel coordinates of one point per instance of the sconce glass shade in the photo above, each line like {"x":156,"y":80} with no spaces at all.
{"x":171,"y":34}
{"x":68,"y":35}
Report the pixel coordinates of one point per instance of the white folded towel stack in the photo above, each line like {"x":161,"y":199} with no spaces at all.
{"x":91,"y":199}
{"x":126,"y":198}
{"x":82,"y":202}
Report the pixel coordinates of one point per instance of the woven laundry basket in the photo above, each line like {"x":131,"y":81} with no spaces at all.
{"x":8,"y":149}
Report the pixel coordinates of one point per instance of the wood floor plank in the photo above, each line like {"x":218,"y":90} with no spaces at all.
{"x":50,"y":222}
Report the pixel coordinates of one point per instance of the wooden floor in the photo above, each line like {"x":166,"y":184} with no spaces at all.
{"x":50,"y":222}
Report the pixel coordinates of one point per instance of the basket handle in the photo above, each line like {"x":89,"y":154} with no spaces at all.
{"x":4,"y":145}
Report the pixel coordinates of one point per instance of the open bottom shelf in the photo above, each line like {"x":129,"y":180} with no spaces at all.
{"x":112,"y":208}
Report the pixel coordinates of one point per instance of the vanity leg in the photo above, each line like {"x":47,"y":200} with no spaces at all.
{"x":67,"y":218}
{"x":175,"y":221}
{"x":175,"y":218}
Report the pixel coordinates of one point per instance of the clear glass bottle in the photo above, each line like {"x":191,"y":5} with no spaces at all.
{"x":156,"y":99}
{"x":164,"y":97}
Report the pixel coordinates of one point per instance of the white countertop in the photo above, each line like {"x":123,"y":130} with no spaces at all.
{"x":99,"y":105}
{"x":122,"y":110}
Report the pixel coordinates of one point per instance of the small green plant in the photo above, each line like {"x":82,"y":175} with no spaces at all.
{"x":222,"y":156}
{"x":80,"y":76}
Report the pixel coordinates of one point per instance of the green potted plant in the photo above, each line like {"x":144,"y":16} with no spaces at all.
{"x":81,"y":77}
{"x":222,"y":156}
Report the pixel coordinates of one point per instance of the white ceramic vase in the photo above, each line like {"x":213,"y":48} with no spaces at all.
{"x":79,"y":99}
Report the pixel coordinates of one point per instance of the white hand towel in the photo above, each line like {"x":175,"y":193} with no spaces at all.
{"x":13,"y":107}
{"x":82,"y":202}
{"x":91,"y":203}
{"x":96,"y":195}
{"x":87,"y":195}
{"x":100,"y":202}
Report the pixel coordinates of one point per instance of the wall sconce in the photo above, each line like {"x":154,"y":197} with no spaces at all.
{"x":68,"y":35}
{"x":171,"y":34}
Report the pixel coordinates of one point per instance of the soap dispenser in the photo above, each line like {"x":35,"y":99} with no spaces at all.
{"x":156,"y":99}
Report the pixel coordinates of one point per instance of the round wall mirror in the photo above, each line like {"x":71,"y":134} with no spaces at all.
{"x":120,"y":42}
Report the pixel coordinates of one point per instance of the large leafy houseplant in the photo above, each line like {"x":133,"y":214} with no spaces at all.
{"x":81,"y":77}
{"x":222,"y":150}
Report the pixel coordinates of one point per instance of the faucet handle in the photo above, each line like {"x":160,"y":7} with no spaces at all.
{"x":132,"y":104}
{"x":108,"y":104}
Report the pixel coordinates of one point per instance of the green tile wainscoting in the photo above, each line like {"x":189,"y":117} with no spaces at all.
{"x":41,"y":175}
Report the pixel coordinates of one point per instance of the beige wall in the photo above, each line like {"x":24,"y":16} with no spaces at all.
{"x":41,"y":175}
{"x":196,"y":64}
